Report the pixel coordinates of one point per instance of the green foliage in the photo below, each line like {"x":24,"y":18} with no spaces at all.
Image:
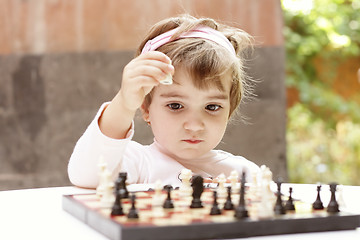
{"x":327,"y":30}
{"x":318,"y":154}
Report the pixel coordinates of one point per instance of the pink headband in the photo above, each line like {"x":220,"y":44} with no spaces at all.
{"x":199,"y":32}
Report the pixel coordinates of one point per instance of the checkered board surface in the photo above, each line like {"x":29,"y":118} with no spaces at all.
{"x":183,"y":222}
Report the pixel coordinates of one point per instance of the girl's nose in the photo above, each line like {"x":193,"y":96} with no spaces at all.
{"x":194,"y":122}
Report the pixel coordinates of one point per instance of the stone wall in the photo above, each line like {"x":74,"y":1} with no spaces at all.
{"x":59,"y":60}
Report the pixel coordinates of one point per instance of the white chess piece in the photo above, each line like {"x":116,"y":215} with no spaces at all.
{"x":107,"y":200}
{"x":266,"y":196}
{"x":167,"y":80}
{"x":253,"y":192}
{"x":185,"y":188}
{"x":340,"y":197}
{"x":234,"y":178}
{"x":157,"y":201}
{"x":221,"y":191}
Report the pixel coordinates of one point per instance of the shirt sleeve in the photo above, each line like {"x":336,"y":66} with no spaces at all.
{"x":83,"y":165}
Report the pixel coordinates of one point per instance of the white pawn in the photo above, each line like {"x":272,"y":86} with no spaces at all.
{"x":221,"y":191}
{"x":102,"y":181}
{"x":185,"y":188}
{"x":157,"y":201}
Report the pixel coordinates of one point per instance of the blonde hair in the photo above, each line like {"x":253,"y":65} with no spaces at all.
{"x":205,"y":61}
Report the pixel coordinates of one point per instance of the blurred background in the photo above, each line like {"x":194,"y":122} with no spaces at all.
{"x":322,"y":39}
{"x":60,"y":60}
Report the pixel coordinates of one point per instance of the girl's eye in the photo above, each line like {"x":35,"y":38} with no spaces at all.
{"x":213,"y":107}
{"x":175,"y":106}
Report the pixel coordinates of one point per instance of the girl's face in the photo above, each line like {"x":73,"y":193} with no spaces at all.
{"x":186,"y":121}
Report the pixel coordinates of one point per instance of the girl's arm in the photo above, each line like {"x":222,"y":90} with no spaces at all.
{"x":108,"y":134}
{"x":83,"y":167}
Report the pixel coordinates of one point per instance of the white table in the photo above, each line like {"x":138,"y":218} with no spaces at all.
{"x":38,"y":214}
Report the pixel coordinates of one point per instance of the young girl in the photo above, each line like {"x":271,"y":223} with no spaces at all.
{"x":188,"y":80}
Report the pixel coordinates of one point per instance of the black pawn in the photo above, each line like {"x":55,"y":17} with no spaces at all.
{"x":133,"y":213}
{"x":228,"y":205}
{"x":198,"y":188}
{"x":279,"y":208}
{"x":289,"y":206}
{"x":168,"y":186}
{"x":318,"y":205}
{"x":117,"y":209}
{"x":333,"y":206}
{"x":120,"y":185}
{"x":168,"y":203}
{"x":215,"y":210}
{"x":240,"y":211}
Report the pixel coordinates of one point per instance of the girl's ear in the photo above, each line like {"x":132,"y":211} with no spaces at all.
{"x":145,"y":112}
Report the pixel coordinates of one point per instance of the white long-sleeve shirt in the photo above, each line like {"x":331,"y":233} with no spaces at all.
{"x":143,"y":163}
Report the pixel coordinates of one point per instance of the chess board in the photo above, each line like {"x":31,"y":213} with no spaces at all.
{"x":183,"y":222}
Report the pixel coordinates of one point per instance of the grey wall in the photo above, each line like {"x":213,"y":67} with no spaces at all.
{"x":47,"y":101}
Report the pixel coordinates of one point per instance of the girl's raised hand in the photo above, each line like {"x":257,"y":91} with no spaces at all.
{"x":141,"y":75}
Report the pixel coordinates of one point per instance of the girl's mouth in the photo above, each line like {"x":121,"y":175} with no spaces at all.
{"x":192,"y":141}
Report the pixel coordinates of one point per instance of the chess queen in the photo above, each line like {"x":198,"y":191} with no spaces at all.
{"x":188,"y":80}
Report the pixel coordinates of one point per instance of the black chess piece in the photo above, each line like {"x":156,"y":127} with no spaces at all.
{"x":228,"y":205}
{"x":120,"y":185}
{"x":168,"y":203}
{"x":279,"y":208}
{"x":318,"y":205}
{"x":117,"y":209}
{"x":215,"y":210}
{"x":241,"y":211}
{"x":168,"y":186}
{"x":198,"y":188}
{"x":133,"y":212}
{"x":289,"y":205}
{"x":333,"y":206}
